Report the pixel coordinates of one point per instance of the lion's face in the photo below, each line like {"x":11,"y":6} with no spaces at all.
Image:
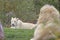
{"x":14,"y":21}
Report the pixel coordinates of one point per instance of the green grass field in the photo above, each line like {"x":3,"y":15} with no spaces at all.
{"x":18,"y":34}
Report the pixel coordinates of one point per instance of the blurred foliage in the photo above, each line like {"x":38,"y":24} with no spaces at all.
{"x":39,"y":3}
{"x":26,"y":10}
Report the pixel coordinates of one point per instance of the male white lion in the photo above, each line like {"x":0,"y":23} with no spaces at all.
{"x":16,"y":23}
{"x":48,"y":23}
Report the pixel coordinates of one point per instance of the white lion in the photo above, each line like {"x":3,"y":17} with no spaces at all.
{"x":48,"y":23}
{"x":13,"y":22}
{"x":18,"y":24}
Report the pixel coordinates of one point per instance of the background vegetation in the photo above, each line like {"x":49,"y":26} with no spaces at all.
{"x":26,"y":10}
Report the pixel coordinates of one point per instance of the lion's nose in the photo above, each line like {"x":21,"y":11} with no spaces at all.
{"x":13,"y":25}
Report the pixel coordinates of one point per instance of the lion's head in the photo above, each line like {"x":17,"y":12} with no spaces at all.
{"x":48,"y":13}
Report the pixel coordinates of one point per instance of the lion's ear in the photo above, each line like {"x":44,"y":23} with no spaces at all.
{"x":17,"y":18}
{"x":11,"y":17}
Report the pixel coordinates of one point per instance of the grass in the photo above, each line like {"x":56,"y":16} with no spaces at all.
{"x":18,"y":34}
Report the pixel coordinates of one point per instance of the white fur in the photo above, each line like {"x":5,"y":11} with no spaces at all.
{"x":21,"y":25}
{"x":46,"y":25}
{"x":13,"y":22}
